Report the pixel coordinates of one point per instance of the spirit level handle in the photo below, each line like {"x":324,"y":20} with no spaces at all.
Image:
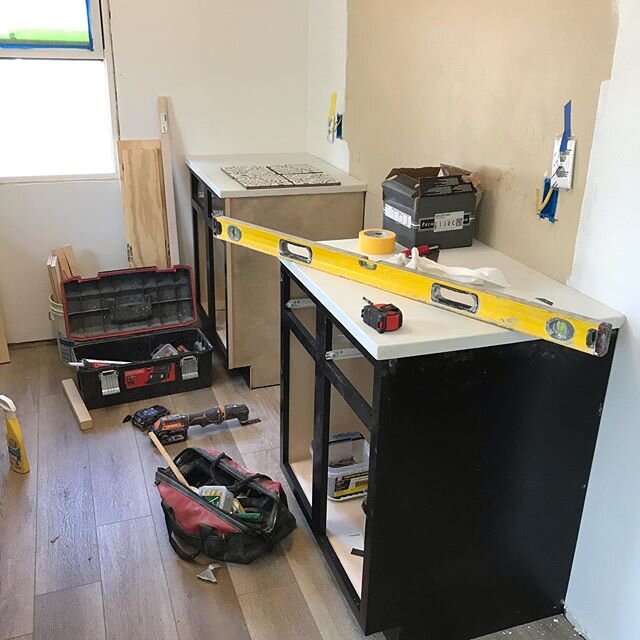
{"x":295,"y":251}
{"x":460,"y":300}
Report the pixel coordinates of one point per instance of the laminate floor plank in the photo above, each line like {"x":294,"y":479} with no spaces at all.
{"x":19,"y":379}
{"x":329,"y":609}
{"x":269,"y":398}
{"x":66,"y":549}
{"x":51,"y":371}
{"x":18,"y":535}
{"x":230,"y":388}
{"x":71,"y":614}
{"x":116,"y":473}
{"x":201,"y":609}
{"x":136,"y":599}
{"x":279,"y":614}
{"x":269,"y":593}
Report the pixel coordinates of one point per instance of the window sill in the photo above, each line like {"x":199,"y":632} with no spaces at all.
{"x":95,"y":177}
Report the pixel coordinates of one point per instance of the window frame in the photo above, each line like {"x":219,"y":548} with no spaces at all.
{"x":67,"y":53}
{"x":102,"y":50}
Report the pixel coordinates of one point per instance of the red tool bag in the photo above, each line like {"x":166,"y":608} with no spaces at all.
{"x":195,"y":526}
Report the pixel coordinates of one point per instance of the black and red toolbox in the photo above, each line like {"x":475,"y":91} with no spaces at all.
{"x":125,"y":316}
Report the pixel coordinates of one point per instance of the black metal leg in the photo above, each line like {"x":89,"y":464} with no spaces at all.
{"x":285,"y":373}
{"x":322,"y":412}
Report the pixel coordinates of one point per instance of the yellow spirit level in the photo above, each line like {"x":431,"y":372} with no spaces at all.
{"x":497,"y":308}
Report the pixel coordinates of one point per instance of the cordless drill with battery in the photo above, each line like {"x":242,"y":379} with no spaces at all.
{"x":174,"y":428}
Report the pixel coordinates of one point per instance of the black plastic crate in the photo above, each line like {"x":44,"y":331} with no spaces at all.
{"x":124,"y":316}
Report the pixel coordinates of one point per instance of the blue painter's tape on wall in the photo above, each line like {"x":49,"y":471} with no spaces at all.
{"x":566,"y":134}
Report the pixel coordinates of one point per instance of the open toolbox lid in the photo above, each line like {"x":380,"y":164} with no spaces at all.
{"x":128,"y":301}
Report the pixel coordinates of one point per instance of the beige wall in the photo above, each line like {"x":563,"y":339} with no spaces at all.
{"x":480,"y":85}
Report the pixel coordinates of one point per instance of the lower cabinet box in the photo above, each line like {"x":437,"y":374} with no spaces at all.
{"x":124,"y":316}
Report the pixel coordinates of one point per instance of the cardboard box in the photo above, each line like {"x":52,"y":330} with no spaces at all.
{"x":430,"y":205}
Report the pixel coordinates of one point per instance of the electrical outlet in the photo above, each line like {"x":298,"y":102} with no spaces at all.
{"x":562,"y":164}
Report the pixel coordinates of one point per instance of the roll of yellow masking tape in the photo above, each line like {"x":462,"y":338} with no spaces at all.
{"x":377,"y":242}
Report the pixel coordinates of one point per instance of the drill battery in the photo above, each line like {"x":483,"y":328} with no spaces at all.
{"x":144,"y":419}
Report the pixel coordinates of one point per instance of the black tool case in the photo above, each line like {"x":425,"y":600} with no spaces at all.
{"x":124,"y":316}
{"x":422,"y":207}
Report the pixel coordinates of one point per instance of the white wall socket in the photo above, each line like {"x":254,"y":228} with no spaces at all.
{"x":562,"y":164}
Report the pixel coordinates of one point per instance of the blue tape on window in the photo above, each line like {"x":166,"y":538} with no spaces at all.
{"x":84,"y":47}
{"x":89,"y":31}
{"x":566,"y":134}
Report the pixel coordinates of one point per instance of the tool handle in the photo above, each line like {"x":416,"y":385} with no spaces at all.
{"x":167,"y":458}
{"x":218,"y":415}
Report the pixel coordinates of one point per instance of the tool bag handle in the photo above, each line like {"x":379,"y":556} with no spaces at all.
{"x":173,"y":529}
{"x":238,"y":486}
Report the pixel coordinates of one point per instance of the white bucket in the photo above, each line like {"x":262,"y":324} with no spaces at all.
{"x":65,"y":346}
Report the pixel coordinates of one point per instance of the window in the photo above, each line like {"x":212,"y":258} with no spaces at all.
{"x":51,"y":28}
{"x":55,"y":112}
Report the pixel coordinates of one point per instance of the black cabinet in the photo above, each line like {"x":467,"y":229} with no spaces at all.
{"x":479,"y":463}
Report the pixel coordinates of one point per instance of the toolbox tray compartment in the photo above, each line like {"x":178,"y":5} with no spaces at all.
{"x":123,"y":316}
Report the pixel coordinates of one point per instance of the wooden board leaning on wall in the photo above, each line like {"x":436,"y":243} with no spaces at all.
{"x":144,"y":204}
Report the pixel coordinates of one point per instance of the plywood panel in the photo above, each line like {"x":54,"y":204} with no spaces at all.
{"x":481,"y":87}
{"x":254,"y":278}
{"x":136,"y":599}
{"x":71,"y":614}
{"x":143,"y":198}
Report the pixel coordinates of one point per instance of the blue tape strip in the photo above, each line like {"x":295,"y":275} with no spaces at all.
{"x":549,"y":212}
{"x":85,"y":47}
{"x":567,"y":127}
{"x":88,"y":5}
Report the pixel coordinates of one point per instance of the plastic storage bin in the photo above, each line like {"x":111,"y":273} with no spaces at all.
{"x":352,"y":480}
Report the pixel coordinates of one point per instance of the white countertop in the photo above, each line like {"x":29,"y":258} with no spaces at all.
{"x":209,"y":170}
{"x":427,"y":329}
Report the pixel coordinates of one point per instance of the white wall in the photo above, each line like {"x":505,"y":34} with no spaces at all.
{"x":327,"y":73}
{"x":38,"y":217}
{"x":235,"y":72}
{"x":236,"y":75}
{"x":604,"y":592}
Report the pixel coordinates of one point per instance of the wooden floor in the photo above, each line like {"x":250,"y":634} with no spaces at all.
{"x":83,"y":546}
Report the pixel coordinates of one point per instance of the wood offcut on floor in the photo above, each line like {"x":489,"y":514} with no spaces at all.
{"x":83,"y":546}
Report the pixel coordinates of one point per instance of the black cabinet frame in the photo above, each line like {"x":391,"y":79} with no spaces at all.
{"x":479,"y":464}
{"x":203,"y":204}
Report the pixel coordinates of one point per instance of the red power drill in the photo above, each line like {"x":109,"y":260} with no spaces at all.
{"x":174,"y":428}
